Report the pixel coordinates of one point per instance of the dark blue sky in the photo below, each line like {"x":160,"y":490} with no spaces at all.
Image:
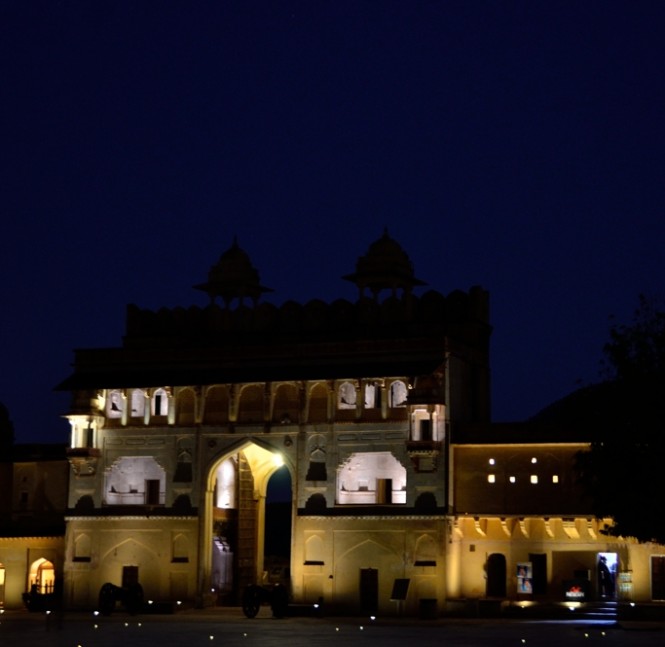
{"x":515,"y":145}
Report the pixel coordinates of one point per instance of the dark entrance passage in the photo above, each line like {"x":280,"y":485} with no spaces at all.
{"x":277,"y":532}
{"x":496,"y":576}
{"x":539,"y":563}
{"x":658,"y":577}
{"x":369,"y":590}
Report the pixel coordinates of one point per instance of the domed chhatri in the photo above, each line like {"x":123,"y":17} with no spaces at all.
{"x":233,"y":277}
{"x":385,"y":266}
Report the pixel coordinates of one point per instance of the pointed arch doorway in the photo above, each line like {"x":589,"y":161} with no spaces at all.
{"x":234,"y":521}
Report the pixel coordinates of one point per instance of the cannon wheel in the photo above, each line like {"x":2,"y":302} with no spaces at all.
{"x":107,"y":598}
{"x":251,"y":601}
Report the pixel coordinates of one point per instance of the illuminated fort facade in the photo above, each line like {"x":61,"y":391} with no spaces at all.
{"x":378,"y":410}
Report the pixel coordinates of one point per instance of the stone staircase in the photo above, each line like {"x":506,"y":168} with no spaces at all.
{"x":596,"y":611}
{"x":603,"y":610}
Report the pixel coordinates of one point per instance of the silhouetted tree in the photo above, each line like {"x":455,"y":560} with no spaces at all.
{"x":623,"y":471}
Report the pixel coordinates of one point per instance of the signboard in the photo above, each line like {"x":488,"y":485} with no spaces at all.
{"x":400,"y":589}
{"x":575,"y":589}
{"x":525,"y":578}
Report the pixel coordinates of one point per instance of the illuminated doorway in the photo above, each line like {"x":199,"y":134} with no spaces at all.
{"x":606,"y":575}
{"x":2,"y":585}
{"x":237,"y":521}
{"x":41,"y":577}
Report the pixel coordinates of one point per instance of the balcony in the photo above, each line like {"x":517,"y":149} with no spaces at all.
{"x":424,"y":454}
{"x":83,"y":460}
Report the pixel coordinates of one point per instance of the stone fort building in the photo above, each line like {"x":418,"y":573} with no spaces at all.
{"x":402,"y":491}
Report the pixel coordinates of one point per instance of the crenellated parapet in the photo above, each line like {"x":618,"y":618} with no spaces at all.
{"x":464,"y":313}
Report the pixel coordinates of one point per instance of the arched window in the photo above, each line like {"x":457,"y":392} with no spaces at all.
{"x":185,"y":407}
{"x":159,"y":404}
{"x":346,"y":396}
{"x":42,"y":576}
{"x":138,"y":403}
{"x":115,"y":404}
{"x":318,"y":403}
{"x":250,"y":408}
{"x":286,"y":407}
{"x":82,"y":547}
{"x":372,"y":395}
{"x":398,"y":393}
{"x":180,"y":548}
{"x":314,"y":550}
{"x":216,"y":405}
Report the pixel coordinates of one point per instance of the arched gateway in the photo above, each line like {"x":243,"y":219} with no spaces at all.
{"x":177,"y":432}
{"x":233,"y":520}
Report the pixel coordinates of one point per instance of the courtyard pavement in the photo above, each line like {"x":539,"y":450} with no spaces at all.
{"x":229,"y":627}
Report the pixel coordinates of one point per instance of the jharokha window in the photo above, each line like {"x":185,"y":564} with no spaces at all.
{"x":371,"y":478}
{"x":135,"y":480}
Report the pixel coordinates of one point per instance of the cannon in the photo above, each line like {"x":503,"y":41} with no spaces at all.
{"x":254,"y":596}
{"x":35,"y":600}
{"x":131,"y":597}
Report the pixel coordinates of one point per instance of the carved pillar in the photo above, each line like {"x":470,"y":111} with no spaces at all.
{"x":302,"y":402}
{"x":146,"y":407}
{"x":170,"y":406}
{"x":199,"y":404}
{"x":125,"y":408}
{"x":268,"y":401}
{"x":233,"y":403}
{"x":332,"y":400}
{"x":384,"y":400}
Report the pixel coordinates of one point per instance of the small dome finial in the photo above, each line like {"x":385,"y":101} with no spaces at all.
{"x":385,"y":266}
{"x":233,"y":277}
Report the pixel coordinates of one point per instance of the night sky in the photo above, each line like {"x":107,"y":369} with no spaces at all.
{"x":517,"y":145}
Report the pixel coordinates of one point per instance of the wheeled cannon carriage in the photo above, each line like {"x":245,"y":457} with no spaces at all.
{"x":131,"y":597}
{"x":276,"y":596}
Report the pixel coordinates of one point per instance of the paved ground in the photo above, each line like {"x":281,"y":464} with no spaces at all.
{"x":230,"y":628}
